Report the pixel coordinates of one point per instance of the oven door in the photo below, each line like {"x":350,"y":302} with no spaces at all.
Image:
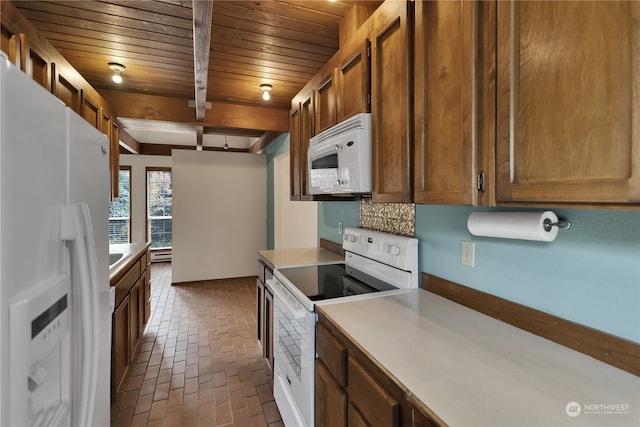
{"x":294,"y":356}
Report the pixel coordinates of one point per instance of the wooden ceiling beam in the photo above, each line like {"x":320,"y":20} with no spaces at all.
{"x":248,"y":133}
{"x":261,"y":144}
{"x":127,"y":142}
{"x":202,"y":17}
{"x":165,"y":149}
{"x":221,"y":115}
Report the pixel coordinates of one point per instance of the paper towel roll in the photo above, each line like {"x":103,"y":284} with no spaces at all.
{"x":513,"y":225}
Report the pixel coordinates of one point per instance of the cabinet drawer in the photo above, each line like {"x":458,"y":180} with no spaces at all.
{"x":144,"y":260}
{"x":332,"y":353}
{"x":125,"y":284}
{"x":373,"y":402}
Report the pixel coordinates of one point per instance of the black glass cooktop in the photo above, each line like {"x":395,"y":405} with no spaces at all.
{"x":320,"y":282}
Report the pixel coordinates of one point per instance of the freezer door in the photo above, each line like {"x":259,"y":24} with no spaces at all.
{"x":33,"y":177}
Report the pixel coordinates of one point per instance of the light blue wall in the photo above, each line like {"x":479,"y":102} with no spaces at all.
{"x":330,"y":213}
{"x":279,"y":146}
{"x":589,"y":275}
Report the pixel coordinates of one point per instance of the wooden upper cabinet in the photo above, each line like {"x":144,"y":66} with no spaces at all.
{"x":106,"y":125}
{"x":307,"y":130}
{"x":354,"y":78}
{"x":390,"y":104}
{"x":114,"y":158}
{"x":445,"y":147}
{"x":568,"y":98}
{"x":64,"y":89}
{"x":35,"y":62}
{"x":10,"y":44}
{"x":110,"y":128}
{"x":294,"y":153}
{"x":326,"y":114}
{"x":90,"y":111}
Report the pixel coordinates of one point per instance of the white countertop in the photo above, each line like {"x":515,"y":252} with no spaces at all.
{"x":131,"y":252}
{"x":282,"y":258}
{"x":473,"y":370}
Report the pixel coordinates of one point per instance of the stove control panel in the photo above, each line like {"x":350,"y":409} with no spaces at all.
{"x":398,"y":251}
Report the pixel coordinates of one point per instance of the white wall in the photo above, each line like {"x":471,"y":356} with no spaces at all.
{"x":219,"y":214}
{"x":138,"y":164}
{"x":295,"y":223}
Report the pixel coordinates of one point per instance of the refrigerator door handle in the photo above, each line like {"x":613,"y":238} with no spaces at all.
{"x":76,"y":227}
{"x":93,"y":289}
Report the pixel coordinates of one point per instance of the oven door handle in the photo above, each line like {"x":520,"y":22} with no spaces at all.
{"x":281,"y":295}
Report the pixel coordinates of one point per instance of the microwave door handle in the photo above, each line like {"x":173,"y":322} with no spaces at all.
{"x":324,"y":150}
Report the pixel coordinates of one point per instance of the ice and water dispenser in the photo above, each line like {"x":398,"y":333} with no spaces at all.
{"x":39,"y":356}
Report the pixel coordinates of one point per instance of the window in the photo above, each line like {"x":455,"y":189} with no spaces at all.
{"x":120,"y":209}
{"x":159,"y":195}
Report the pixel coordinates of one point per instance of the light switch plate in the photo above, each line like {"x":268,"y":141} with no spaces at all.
{"x":340,"y":228}
{"x":468,"y":255}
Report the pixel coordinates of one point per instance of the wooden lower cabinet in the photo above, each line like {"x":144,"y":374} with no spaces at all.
{"x":147,"y":293}
{"x":134,"y":320}
{"x":133,"y":292}
{"x":120,"y":360}
{"x":331,"y":399}
{"x":268,"y":327}
{"x":376,"y":406}
{"x":418,"y":419}
{"x":264,"y":313}
{"x":355,"y":418}
{"x":259,"y":310}
{"x":351,"y":390}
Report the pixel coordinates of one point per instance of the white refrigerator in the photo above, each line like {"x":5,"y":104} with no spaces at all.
{"x":55,"y":298}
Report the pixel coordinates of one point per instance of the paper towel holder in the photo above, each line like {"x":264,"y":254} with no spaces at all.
{"x":562,"y":224}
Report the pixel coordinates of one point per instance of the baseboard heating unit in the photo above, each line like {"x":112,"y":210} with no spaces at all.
{"x":161,"y":256}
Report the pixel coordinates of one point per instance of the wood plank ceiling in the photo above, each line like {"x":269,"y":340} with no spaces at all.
{"x":281,"y":43}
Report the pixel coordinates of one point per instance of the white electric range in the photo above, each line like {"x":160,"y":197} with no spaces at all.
{"x":375,"y":264}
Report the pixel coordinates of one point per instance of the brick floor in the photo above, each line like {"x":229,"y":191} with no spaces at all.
{"x":199,"y":364}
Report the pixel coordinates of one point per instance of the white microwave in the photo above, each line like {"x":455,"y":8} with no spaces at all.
{"x":339,"y":158}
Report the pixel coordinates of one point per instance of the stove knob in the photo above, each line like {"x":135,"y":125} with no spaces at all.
{"x":391,"y":249}
{"x":350,"y":238}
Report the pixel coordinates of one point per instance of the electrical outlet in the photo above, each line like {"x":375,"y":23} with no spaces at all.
{"x":468,"y":256}
{"x":340,"y":228}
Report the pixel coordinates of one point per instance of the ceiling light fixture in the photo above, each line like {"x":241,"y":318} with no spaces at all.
{"x":117,"y":69}
{"x":265,"y":88}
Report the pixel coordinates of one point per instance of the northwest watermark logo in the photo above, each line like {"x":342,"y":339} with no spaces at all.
{"x":573,"y":409}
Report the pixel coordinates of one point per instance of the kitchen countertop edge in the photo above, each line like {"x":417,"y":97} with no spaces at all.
{"x":283,"y":258}
{"x":132,"y":252}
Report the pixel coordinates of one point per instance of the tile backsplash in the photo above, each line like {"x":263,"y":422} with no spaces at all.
{"x":396,"y":218}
